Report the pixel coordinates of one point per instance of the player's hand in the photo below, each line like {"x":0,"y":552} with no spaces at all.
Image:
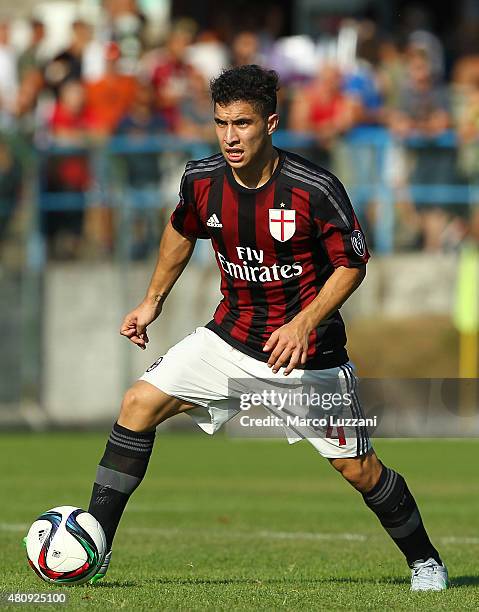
{"x":289,"y":346}
{"x":135,"y":323}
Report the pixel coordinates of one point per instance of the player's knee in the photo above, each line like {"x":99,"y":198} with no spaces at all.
{"x":132,"y":402}
{"x":137,"y":410}
{"x":144,"y":407}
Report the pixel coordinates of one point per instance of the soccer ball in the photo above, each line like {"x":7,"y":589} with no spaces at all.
{"x":66,"y":545}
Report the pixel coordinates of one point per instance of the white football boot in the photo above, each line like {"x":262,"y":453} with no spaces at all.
{"x":428,"y":576}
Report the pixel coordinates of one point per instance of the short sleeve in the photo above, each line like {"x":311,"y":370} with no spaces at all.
{"x":338,"y":227}
{"x":185,"y":218}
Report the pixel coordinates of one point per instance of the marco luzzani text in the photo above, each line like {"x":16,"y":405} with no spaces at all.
{"x":291,"y":400}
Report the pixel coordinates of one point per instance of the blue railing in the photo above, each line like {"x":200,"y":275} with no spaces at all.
{"x":376,"y":140}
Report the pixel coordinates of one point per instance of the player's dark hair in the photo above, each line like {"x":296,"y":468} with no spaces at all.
{"x":249,"y":83}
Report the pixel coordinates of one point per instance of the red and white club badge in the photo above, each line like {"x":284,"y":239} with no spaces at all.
{"x":282,"y":223}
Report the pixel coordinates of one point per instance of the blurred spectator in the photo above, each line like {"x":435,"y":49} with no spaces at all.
{"x":125,"y":25}
{"x":196,"y":110}
{"x":113,"y":94}
{"x":72,"y":121}
{"x":466,"y":72}
{"x":28,"y":94}
{"x":391,"y":70}
{"x":143,"y":172}
{"x":208,"y":55}
{"x":31,"y":58}
{"x":467,"y":117}
{"x":423,"y":41}
{"x":358,"y":165}
{"x":361,"y":85}
{"x":424,"y":112}
{"x":321,"y":108}
{"x":245,"y":49}
{"x":423,"y":106}
{"x":295,"y":59}
{"x":8,"y":76}
{"x":72,"y":124}
{"x":10,"y":184}
{"x":30,"y":71}
{"x":68,"y":65}
{"x":142,"y":121}
{"x":142,"y":118}
{"x":170,"y":73}
{"x":465,"y":81}
{"x":361,"y":81}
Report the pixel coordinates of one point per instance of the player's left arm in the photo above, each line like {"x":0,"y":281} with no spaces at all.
{"x":342,"y":241}
{"x":289,"y":343}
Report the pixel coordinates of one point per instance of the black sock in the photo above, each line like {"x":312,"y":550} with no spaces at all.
{"x":121,"y":470}
{"x":396,"y":508}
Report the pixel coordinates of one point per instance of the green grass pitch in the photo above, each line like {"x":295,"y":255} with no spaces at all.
{"x":222,"y":524}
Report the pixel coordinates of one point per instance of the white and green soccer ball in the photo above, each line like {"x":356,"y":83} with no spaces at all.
{"x":65,"y":545}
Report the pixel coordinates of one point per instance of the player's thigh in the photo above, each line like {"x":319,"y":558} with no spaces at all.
{"x":145,"y":406}
{"x":361,"y":472}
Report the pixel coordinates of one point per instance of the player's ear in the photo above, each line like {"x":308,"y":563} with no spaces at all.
{"x":272,"y":123}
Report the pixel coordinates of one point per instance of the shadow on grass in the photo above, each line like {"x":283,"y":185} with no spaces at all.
{"x":457,"y":582}
{"x":125,"y":584}
{"x":277,"y":581}
{"x":465,"y":581}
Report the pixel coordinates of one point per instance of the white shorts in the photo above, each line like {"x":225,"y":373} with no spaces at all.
{"x":205,"y":370}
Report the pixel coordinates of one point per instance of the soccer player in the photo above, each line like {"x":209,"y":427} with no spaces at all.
{"x":290,"y":251}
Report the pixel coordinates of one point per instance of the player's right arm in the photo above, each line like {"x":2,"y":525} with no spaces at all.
{"x":175,"y":252}
{"x":176,"y":247}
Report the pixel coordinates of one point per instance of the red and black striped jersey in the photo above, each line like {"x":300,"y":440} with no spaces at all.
{"x":275,"y":247}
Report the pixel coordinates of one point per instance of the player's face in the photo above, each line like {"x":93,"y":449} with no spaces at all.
{"x":243,"y":133}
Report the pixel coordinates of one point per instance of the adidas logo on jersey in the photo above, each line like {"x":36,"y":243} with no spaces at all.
{"x":213,"y":221}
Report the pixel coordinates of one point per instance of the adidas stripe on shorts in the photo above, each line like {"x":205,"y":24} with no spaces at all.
{"x":204,"y":370}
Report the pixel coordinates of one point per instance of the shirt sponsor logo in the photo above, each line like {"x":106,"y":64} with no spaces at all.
{"x":257,"y":273}
{"x":282,"y":223}
{"x":358,"y":243}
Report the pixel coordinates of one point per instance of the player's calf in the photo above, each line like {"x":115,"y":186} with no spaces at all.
{"x":394,"y":505}
{"x":386,"y":493}
{"x":120,"y":471}
{"x":127,"y":453}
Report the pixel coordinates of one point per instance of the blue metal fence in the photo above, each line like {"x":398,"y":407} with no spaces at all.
{"x":367,"y":147}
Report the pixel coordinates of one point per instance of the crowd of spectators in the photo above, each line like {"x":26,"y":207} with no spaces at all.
{"x":120,"y":81}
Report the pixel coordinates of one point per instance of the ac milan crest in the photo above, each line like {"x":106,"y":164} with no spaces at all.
{"x":282,"y":223}
{"x":358,"y":243}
